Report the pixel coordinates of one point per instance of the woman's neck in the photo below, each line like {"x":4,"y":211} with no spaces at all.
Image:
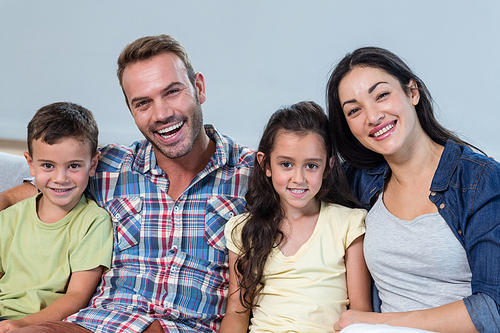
{"x":418,"y":163}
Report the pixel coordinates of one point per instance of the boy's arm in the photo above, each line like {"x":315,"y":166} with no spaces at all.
{"x":82,"y":286}
{"x":358,"y":277}
{"x":237,"y":317}
{"x":16,"y":194}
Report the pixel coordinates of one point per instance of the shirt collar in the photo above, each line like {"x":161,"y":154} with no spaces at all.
{"x":145,"y":158}
{"x":447,"y":165}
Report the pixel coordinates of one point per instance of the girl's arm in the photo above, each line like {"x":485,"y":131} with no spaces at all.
{"x":452,"y":317}
{"x":237,"y":317}
{"x":358,"y":277}
{"x":81,"y":287}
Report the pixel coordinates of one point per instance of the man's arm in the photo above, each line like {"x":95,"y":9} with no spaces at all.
{"x":16,"y":194}
{"x":82,"y":286}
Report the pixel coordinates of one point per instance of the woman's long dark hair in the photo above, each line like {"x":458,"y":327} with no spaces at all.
{"x":347,"y":146}
{"x":261,"y":230}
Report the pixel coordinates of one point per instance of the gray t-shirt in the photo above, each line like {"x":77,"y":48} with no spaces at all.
{"x":417,"y":264}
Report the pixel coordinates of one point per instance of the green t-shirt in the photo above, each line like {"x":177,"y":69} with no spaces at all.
{"x":37,"y":259}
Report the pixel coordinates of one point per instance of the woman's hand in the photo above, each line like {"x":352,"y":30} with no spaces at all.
{"x":350,"y":317}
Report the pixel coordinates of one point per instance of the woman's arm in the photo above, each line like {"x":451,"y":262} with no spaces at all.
{"x":237,"y":317}
{"x":450,"y":318}
{"x":82,"y":286}
{"x":358,"y":277}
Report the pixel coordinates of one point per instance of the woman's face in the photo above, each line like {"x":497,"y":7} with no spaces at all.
{"x":380,"y":114}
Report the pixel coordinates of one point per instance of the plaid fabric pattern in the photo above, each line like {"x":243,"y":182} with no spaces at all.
{"x":170,"y":259}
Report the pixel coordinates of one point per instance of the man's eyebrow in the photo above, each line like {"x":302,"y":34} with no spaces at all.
{"x":170,"y":86}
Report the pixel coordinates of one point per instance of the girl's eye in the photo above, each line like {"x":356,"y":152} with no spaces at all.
{"x":312,"y":166}
{"x":286,"y":164}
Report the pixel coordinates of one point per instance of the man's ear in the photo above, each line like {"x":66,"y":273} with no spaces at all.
{"x":414,"y":92}
{"x":199,"y":84}
{"x":260,"y":159}
{"x":29,"y":160}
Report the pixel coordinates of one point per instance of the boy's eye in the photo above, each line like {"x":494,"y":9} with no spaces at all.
{"x":74,"y":166}
{"x":47,"y":165}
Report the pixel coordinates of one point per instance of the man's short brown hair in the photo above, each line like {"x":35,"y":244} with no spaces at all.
{"x":147,"y":47}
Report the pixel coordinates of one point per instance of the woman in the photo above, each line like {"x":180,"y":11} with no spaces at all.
{"x":433,"y":231}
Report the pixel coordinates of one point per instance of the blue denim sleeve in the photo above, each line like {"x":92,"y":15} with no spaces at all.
{"x":483,"y":312}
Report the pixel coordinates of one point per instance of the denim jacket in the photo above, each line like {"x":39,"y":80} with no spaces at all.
{"x":466,"y":192}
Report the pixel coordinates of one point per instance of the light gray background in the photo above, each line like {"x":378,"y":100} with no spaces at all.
{"x":256,"y":56}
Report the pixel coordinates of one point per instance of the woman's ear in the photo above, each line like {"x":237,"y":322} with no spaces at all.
{"x":260,"y":159}
{"x":414,"y":92}
{"x":329,"y":168}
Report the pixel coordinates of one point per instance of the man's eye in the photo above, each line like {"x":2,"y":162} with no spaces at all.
{"x":140,"y":104}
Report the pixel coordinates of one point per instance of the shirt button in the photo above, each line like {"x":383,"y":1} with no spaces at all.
{"x":433,"y":193}
{"x":460,"y":232}
{"x":117,"y":216}
{"x":442,"y":205}
{"x":176,"y":208}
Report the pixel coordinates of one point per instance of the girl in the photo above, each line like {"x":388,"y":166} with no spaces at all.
{"x":433,"y":231}
{"x":297,"y":253}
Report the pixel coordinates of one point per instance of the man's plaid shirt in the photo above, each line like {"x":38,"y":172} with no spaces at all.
{"x":170,"y":259}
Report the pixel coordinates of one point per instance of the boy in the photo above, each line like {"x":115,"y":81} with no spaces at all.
{"x":53,"y":246}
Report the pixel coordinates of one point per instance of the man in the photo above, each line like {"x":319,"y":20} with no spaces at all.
{"x":169,"y":197}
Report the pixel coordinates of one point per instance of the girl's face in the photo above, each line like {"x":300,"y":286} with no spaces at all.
{"x":297,"y":167}
{"x":380,"y":114}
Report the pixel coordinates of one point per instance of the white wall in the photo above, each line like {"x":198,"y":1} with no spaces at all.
{"x":256,"y":56}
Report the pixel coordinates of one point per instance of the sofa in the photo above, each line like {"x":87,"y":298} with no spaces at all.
{"x":13,"y":169}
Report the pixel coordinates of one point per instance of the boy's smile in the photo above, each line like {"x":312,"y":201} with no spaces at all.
{"x":61,"y":172}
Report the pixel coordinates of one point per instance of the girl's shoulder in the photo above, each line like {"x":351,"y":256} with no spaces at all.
{"x":335,"y":210}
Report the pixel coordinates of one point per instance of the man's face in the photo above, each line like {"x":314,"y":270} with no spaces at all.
{"x":165,"y":105}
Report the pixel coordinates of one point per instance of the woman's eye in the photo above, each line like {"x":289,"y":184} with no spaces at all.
{"x":352,"y":112}
{"x":382,"y":95}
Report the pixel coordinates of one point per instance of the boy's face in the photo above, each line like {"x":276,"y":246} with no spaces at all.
{"x":61,"y":172}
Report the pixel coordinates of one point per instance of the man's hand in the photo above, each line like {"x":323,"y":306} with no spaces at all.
{"x":10,"y":325}
{"x":16,"y":194}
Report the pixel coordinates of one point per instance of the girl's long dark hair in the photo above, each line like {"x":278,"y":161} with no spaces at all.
{"x":348,"y":147}
{"x":261,"y":230}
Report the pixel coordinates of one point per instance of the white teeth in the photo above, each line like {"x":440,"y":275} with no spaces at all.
{"x":169,"y":129}
{"x":60,"y":189}
{"x":383,"y":130}
{"x":297,"y":191}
